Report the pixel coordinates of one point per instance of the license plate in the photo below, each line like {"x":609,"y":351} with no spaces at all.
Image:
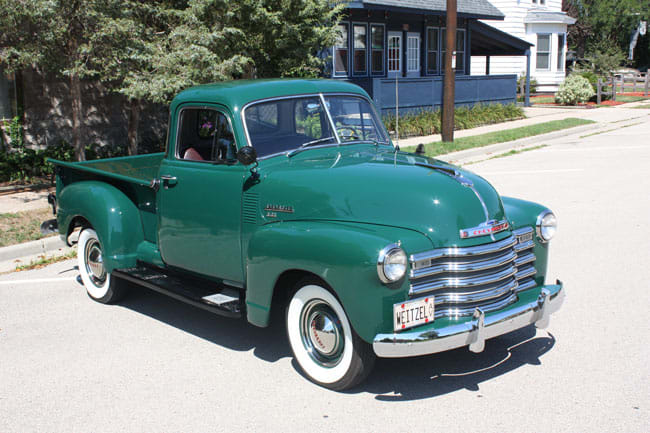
{"x":413,"y":313}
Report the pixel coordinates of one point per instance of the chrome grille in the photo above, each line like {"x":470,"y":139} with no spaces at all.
{"x":487,"y":276}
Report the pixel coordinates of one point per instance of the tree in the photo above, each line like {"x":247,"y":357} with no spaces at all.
{"x":120,"y":47}
{"x":604,"y":27}
{"x":284,"y":37}
{"x":149,"y":51}
{"x":217,"y":40}
{"x":51,"y":36}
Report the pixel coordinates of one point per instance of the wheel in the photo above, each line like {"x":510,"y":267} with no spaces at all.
{"x":324,"y":344}
{"x":99,"y":284}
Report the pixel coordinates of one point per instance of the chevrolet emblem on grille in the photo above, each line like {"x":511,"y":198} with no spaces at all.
{"x":486,"y":228}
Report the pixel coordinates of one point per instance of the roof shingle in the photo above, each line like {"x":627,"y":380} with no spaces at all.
{"x":479,"y":8}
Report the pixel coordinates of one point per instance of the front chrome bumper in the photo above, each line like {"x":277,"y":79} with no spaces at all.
{"x":474,"y":332}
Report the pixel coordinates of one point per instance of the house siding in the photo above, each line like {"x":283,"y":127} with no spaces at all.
{"x":421,"y":90}
{"x":515,"y":13}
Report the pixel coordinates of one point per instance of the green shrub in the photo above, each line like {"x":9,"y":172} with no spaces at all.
{"x":20,"y":163}
{"x":533,"y":84}
{"x":593,"y":80}
{"x":97,"y":151}
{"x":591,"y":77}
{"x":16,"y":161}
{"x":574,"y":90}
{"x":428,"y":122}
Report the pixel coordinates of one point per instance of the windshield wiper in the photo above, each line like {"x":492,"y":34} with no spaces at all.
{"x":309,"y":143}
{"x":366,"y":140}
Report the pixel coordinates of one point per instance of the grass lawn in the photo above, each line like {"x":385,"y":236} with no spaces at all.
{"x":630,"y":98}
{"x":441,"y":148}
{"x":43,"y":261}
{"x":16,"y":228}
{"x":543,"y":100}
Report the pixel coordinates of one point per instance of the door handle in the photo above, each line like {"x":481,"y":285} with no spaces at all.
{"x":168,"y":180}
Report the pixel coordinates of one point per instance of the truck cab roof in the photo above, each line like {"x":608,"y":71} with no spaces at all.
{"x":236,"y":94}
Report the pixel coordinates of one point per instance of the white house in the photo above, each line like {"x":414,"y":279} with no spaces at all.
{"x":543,"y":24}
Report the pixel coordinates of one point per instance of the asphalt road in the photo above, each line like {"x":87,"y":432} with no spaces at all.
{"x":153,"y":364}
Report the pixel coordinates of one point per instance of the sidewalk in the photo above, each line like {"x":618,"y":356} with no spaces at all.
{"x":536,"y":115}
{"x":23,"y":201}
{"x":26,"y":252}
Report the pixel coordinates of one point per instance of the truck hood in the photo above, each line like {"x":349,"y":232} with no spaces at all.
{"x":372,"y":184}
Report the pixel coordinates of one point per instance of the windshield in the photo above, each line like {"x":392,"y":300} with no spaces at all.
{"x":284,"y":125}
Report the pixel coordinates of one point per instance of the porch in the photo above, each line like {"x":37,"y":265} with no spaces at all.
{"x":422,"y":93}
{"x":395,"y":50}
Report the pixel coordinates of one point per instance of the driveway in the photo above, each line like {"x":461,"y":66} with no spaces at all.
{"x":153,"y":364}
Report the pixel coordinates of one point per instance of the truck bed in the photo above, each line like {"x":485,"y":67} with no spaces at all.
{"x":139,"y":169}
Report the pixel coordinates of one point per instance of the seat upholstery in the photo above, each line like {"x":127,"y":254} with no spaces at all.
{"x":192,"y":155}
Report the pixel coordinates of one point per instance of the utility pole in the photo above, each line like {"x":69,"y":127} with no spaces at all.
{"x":450,"y":74}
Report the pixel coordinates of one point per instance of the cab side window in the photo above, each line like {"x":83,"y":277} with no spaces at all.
{"x":205,"y":135}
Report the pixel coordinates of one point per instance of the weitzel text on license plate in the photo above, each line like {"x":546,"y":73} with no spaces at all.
{"x":413,"y":313}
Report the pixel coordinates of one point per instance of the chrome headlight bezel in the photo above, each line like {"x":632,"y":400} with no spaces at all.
{"x":542,"y":223}
{"x":388,"y":256}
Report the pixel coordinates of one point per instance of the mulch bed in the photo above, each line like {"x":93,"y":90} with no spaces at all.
{"x":608,"y":102}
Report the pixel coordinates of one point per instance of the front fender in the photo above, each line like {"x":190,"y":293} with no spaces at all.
{"x":114,"y":217}
{"x":522,"y":213}
{"x":344,"y":255}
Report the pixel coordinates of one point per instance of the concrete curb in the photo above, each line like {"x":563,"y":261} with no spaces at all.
{"x":487,"y":151}
{"x":33,"y":248}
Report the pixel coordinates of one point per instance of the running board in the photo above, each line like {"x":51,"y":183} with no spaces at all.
{"x":201,"y":293}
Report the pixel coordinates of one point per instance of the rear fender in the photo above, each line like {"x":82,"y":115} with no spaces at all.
{"x":344,"y":255}
{"x":114,"y":217}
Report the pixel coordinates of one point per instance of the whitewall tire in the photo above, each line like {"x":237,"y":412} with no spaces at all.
{"x":99,"y":284}
{"x":323,"y":343}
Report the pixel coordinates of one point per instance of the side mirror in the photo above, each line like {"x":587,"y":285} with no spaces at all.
{"x":247,"y":155}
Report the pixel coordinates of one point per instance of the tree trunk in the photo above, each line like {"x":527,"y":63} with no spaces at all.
{"x":134,"y":123}
{"x":75,"y":93}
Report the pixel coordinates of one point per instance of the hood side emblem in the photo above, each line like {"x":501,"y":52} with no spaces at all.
{"x":487,"y":228}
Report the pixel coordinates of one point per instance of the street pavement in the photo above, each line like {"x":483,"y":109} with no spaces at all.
{"x":153,"y":364}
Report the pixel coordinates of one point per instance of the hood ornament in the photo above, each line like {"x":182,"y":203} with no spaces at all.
{"x":487,"y":228}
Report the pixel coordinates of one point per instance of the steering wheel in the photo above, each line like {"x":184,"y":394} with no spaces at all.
{"x":353,"y":133}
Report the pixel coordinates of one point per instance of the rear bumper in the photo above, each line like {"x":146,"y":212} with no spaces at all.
{"x":474,"y":332}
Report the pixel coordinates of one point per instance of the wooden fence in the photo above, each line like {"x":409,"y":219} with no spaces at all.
{"x":634,"y":82}
{"x":601,"y":89}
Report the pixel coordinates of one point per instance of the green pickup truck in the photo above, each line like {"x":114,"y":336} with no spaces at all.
{"x":289,"y":195}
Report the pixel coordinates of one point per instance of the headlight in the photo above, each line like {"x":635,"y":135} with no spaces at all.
{"x":546,"y":226}
{"x":391,"y":264}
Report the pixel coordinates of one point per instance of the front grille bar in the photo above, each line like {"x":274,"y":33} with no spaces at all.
{"x":466,"y":265}
{"x":468,"y":311}
{"x":480,"y":295}
{"x":447,"y":283}
{"x":487,"y":276}
{"x":420,"y":259}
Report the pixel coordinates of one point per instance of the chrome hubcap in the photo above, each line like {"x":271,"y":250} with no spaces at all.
{"x":322,"y":334}
{"x":95,"y":262}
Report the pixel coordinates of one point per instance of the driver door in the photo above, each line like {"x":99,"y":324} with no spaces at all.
{"x":200,"y":196}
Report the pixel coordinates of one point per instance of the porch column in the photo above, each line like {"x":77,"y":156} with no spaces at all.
{"x":527,"y":96}
{"x":487,"y":65}
{"x":405,"y":47}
